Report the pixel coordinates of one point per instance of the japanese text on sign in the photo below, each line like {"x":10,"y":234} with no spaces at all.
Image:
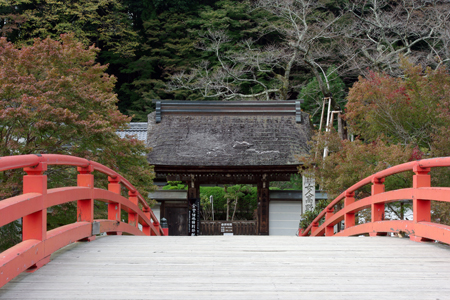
{"x":309,"y":193}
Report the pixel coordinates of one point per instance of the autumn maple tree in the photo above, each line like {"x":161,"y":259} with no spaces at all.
{"x":395,"y":120}
{"x":54,"y":98}
{"x":409,"y":110}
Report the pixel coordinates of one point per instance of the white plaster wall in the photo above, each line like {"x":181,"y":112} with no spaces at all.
{"x":284,"y":217}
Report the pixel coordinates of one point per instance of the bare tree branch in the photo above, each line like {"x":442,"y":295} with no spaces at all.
{"x":369,"y":34}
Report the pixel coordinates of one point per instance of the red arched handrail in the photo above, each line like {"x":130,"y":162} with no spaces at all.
{"x":419,"y":229}
{"x":37,"y":243}
{"x":31,"y":160}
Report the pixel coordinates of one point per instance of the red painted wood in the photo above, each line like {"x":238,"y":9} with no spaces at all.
{"x":34,"y":225}
{"x":16,"y":207}
{"x":133,"y":219}
{"x":31,"y":160}
{"x":377,"y":208}
{"x":156,"y":224}
{"x":349,"y":218}
{"x":421,"y":207}
{"x":145,"y":226}
{"x":85,"y":207}
{"x":165,"y":231}
{"x":19,"y":258}
{"x":114,"y":208}
{"x":420,"y":229}
{"x":18,"y":162}
{"x":329,"y":230}
{"x":38,"y":243}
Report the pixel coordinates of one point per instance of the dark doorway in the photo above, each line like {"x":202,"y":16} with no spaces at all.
{"x":177,"y":218}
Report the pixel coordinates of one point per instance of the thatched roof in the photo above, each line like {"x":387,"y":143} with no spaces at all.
{"x":227,"y":133}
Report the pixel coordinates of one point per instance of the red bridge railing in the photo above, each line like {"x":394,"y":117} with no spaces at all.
{"x":419,"y":229}
{"x":37,"y":243}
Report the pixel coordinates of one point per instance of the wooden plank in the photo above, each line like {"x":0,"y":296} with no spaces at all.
{"x":240,"y":267}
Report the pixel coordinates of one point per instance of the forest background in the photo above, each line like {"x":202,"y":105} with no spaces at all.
{"x":270,"y":50}
{"x":230,"y":50}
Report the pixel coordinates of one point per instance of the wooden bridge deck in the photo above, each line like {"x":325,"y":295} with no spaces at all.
{"x":240,"y":267}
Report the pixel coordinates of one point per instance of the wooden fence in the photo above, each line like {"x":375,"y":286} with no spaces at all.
{"x":239,"y":227}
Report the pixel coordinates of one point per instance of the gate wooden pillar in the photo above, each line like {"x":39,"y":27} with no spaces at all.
{"x":193,"y":188}
{"x":263,"y":205}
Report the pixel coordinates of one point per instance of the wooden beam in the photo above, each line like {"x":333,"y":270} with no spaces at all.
{"x":263,"y":205}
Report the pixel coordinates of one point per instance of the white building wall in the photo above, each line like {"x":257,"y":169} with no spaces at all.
{"x":157,"y":211}
{"x":284,"y":217}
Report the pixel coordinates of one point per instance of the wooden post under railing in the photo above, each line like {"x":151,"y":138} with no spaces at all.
{"x":314,"y":227}
{"x":421,"y":207}
{"x":34,"y":226}
{"x":349,"y":218}
{"x":85,"y":207}
{"x":329,"y":230}
{"x":156,"y":224}
{"x":146,"y":227}
{"x":377,"y":208}
{"x":133,"y":219}
{"x":114,"y":209}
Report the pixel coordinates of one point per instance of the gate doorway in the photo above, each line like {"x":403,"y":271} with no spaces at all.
{"x":177,"y":218}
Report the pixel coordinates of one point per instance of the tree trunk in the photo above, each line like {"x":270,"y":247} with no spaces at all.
{"x":228,"y":203}
{"x":235,"y":205}
{"x":342,"y":128}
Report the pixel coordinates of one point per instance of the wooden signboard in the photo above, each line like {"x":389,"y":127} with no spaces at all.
{"x":226,"y":228}
{"x":194,"y":217}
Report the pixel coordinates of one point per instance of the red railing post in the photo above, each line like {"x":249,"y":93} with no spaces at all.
{"x":38,"y":243}
{"x":35,"y":225}
{"x":377,"y":208}
{"x":421,"y":208}
{"x":132,"y":216}
{"x":329,"y":230}
{"x":349,"y":218}
{"x":314,"y":227}
{"x":146,"y":227}
{"x":156,"y":224}
{"x":85,"y":207}
{"x":114,"y":209}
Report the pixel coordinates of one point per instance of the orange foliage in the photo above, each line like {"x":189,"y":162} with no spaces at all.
{"x":54,"y":98}
{"x":396,"y":120}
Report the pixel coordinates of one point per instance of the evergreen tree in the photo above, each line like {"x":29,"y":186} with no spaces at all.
{"x":313,"y":96}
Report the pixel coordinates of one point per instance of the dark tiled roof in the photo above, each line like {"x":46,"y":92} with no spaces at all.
{"x":137,"y":129}
{"x":230,"y":139}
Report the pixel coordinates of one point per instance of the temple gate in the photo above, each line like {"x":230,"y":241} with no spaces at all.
{"x":217,"y":142}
